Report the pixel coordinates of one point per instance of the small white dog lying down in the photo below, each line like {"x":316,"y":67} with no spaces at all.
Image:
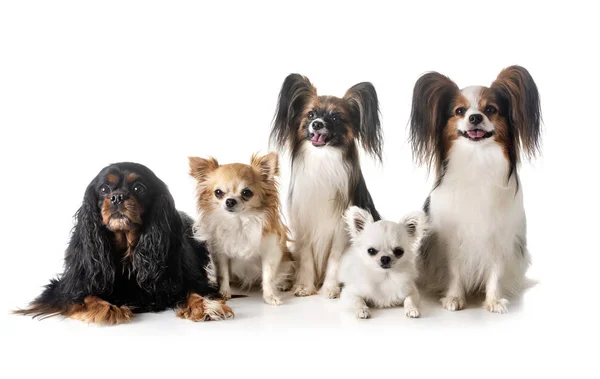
{"x":379,"y":267}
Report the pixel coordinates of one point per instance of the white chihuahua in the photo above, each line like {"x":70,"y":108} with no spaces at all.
{"x":379,"y":267}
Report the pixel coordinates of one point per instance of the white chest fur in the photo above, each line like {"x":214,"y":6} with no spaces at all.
{"x":319,"y":189}
{"x":236,"y":236}
{"x":477,"y":211}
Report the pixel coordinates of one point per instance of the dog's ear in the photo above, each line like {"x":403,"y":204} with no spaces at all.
{"x":89,"y":267}
{"x":431,"y":106}
{"x":415,"y":224}
{"x":267,"y":165}
{"x":516,"y":88}
{"x":356,"y":219}
{"x":364,"y":104}
{"x":200,"y":167}
{"x":295,"y":94}
{"x":159,"y":241}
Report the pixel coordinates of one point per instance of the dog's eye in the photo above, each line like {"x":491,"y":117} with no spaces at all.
{"x":372,"y":251}
{"x":104,"y":190}
{"x":310,"y":115}
{"x":398,"y":252}
{"x":218,"y":193}
{"x":139,"y":188}
{"x":490,"y":109}
{"x":460,"y":111}
{"x":335,"y":118}
{"x":247,"y":193}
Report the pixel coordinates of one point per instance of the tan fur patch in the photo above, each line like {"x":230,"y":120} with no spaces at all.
{"x":451,"y":130}
{"x":98,"y":311}
{"x":131,"y":209}
{"x":112,"y":178}
{"x":198,"y":308}
{"x":131,"y":177}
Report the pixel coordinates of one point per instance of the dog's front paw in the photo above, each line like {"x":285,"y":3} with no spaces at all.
{"x":412,"y":312}
{"x":496,"y":305}
{"x":331,"y":292}
{"x":453,"y":303}
{"x":272,"y":299}
{"x":199,"y":308}
{"x":363,"y":313}
{"x":301,"y":290}
{"x":225,"y":293}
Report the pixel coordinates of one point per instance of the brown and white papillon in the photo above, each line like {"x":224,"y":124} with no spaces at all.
{"x":474,"y":138}
{"x":322,"y":133}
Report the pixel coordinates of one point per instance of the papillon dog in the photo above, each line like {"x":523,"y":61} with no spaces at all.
{"x":379,"y":268}
{"x":240,"y":218}
{"x":474,"y":139}
{"x":322,"y":133}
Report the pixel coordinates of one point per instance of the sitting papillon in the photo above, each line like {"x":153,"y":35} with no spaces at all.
{"x":474,"y":139}
{"x":240,"y":218}
{"x":379,"y":268}
{"x":322,"y":133}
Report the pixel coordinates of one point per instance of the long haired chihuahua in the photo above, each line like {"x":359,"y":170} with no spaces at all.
{"x":322,"y":133}
{"x":379,"y":268}
{"x":474,"y":139}
{"x":240,"y":218}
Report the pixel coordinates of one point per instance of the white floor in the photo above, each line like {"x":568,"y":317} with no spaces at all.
{"x":314,"y":336}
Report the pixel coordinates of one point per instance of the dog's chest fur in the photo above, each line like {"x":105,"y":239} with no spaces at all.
{"x":319,"y":189}
{"x":237,"y":236}
{"x":476,"y":210}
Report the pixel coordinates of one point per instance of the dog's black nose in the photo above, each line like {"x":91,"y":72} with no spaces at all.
{"x":385,"y":260}
{"x":118,"y":199}
{"x":230,"y":203}
{"x":316,"y":125}
{"x":475,"y":119}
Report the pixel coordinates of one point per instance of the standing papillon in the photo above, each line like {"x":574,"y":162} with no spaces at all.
{"x":474,"y":139}
{"x":322,"y":133}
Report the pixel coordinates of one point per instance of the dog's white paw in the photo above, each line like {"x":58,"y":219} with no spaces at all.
{"x":452,"y":303}
{"x":225,"y":294}
{"x":300,"y":290}
{"x":332,"y":292}
{"x":363,"y":313}
{"x":496,"y":305}
{"x":272,"y":299}
{"x":412,"y":312}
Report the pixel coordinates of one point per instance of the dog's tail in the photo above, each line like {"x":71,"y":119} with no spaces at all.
{"x":49,"y":303}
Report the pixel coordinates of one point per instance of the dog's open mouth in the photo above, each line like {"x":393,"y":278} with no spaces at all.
{"x":319,"y":139}
{"x":476,"y":134}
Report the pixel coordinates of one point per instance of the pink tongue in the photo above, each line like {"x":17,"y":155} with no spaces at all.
{"x":318,"y":139}
{"x":476,"y":133}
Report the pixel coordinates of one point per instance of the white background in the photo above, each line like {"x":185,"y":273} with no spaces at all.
{"x":85,"y":84}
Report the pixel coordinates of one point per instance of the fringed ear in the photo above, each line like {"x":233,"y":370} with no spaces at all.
{"x":159,"y":240}
{"x":200,"y":167}
{"x":516,"y":87}
{"x":268,"y":165}
{"x":365,"y":107}
{"x":431,"y":103}
{"x":415,"y":225}
{"x":295,"y":93}
{"x":89,"y":267}
{"x":356,"y":219}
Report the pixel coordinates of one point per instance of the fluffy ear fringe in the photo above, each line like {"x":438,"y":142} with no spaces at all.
{"x":201,"y":167}
{"x":415,"y":224}
{"x":356,"y":219}
{"x":362,"y":97}
{"x":268,"y":165}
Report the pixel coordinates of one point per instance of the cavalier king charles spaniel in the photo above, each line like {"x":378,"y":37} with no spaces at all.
{"x":130,"y":252}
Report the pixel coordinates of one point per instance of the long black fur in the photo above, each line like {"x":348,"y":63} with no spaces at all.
{"x":166,"y":265}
